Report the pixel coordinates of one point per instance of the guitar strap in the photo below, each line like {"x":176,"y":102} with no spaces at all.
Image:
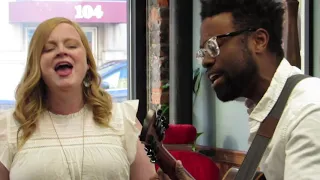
{"x":260,"y":142}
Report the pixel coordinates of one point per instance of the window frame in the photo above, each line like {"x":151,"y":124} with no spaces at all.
{"x":94,"y":31}
{"x":26,"y":39}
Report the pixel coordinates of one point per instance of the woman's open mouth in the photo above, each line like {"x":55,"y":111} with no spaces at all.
{"x":63,"y":68}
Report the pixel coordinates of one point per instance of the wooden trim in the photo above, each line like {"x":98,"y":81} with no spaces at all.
{"x":229,"y":156}
{"x":226,"y":159}
{"x":181,"y":147}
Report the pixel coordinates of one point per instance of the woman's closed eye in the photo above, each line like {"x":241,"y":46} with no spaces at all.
{"x":48,"y":49}
{"x":72,"y":46}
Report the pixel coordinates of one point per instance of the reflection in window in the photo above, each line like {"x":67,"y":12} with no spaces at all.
{"x":112,"y":80}
{"x":114,"y":76}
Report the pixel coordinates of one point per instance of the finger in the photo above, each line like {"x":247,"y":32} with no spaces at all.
{"x":155,"y":177}
{"x":180,"y":172}
{"x":159,"y":171}
{"x":162,"y":175}
{"x":179,"y":164}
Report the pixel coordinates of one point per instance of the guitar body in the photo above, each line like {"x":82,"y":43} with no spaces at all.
{"x":232,"y":173}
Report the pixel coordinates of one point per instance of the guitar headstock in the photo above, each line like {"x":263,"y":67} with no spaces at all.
{"x":152,"y":135}
{"x":153,"y":132}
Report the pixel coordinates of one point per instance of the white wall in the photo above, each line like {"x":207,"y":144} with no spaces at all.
{"x":12,"y":56}
{"x":115,"y":46}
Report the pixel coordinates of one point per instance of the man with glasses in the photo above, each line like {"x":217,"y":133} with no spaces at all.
{"x":241,"y":49}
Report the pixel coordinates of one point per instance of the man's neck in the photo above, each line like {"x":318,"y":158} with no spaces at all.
{"x":259,"y":88}
{"x":267,"y":69}
{"x":65,"y":102}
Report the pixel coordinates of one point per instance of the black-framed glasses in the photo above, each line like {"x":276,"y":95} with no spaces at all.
{"x":211,"y":45}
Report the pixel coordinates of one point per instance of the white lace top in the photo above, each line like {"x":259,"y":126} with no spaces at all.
{"x":108,"y":152}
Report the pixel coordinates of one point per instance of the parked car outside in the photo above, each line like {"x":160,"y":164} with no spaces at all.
{"x":114,"y":79}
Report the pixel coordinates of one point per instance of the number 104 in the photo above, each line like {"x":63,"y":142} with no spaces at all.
{"x":87,"y":12}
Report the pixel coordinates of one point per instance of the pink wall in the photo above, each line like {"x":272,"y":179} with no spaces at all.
{"x":83,"y":12}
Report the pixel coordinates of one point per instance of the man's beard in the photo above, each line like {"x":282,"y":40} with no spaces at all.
{"x":235,"y":85}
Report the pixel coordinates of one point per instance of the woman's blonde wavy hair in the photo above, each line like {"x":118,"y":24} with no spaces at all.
{"x":31,"y":91}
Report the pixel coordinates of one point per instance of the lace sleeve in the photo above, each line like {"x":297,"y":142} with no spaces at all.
{"x":131,"y":133}
{"x":6,"y":154}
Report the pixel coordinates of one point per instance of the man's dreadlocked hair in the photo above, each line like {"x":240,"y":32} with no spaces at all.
{"x":266,"y":14}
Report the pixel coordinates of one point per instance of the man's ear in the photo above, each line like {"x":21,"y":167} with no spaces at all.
{"x":261,"y":40}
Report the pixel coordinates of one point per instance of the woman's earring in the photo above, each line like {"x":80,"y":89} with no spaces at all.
{"x":87,"y":81}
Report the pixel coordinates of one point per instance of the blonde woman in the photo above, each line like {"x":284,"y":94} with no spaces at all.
{"x":64,"y":126}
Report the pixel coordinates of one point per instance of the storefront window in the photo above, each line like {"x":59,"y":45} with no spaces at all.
{"x":105,"y":26}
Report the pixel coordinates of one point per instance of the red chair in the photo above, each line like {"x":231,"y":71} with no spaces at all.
{"x":198,"y":165}
{"x":180,"y":134}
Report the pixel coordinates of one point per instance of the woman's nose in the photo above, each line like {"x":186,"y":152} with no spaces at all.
{"x":61,"y":51}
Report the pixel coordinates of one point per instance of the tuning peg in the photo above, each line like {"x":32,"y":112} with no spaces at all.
{"x":160,"y":129}
{"x":153,"y":158}
{"x":153,"y":161}
{"x":147,"y":146}
{"x":150,"y":154}
{"x":165,"y":122}
{"x":158,"y":117}
{"x":160,"y":132}
{"x":146,"y":149}
{"x":159,"y":112}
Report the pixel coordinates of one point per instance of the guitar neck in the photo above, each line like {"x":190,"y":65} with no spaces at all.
{"x":168,"y":163}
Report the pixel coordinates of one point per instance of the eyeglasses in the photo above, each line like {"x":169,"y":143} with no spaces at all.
{"x":211,"y":46}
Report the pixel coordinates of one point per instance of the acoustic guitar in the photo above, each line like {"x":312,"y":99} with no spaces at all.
{"x":152,"y":135}
{"x":232,"y":173}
